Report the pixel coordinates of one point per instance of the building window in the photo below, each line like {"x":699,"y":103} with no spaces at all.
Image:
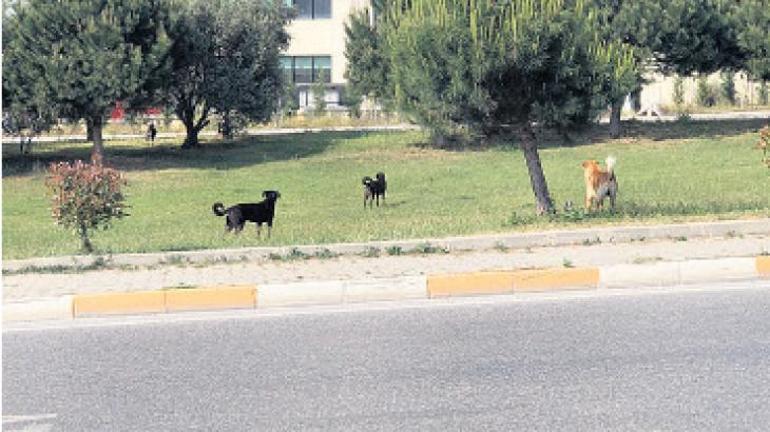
{"x":311,"y":9}
{"x":303,"y":70}
{"x":306,"y":69}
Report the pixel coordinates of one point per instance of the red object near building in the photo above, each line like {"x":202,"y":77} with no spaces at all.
{"x":118,"y":113}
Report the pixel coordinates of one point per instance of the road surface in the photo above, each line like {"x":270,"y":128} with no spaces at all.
{"x":685,"y":359}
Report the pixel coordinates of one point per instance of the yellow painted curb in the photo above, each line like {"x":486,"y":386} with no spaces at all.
{"x":470,"y":283}
{"x":230,"y":297}
{"x":763,"y":265}
{"x":555,"y":279}
{"x":118,"y":303}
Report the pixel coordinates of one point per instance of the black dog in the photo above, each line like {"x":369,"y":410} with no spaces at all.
{"x":239,"y":214}
{"x":373,"y":189}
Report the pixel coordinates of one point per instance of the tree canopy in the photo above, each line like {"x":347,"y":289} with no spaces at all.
{"x":225,"y":59}
{"x":752,"y":20}
{"x":476,"y":67}
{"x":77,"y":58}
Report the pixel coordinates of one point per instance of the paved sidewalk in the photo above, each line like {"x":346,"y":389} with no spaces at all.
{"x":737,"y":115}
{"x":12,"y":139}
{"x":641,"y":246}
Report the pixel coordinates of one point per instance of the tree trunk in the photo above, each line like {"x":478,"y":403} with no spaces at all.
{"x":89,"y":130}
{"x":187,"y":116}
{"x":97,"y":152}
{"x":636,"y":99}
{"x":87,"y":246}
{"x":226,"y":128}
{"x":191,"y":140}
{"x":537,"y":178}
{"x":617,"y":108}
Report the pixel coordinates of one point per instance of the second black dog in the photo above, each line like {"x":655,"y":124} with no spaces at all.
{"x":374,"y":189}
{"x":259,"y":213}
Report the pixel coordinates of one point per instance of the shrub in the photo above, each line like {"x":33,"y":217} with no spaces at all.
{"x":705,"y":93}
{"x":318,"y":89}
{"x":728,"y":87}
{"x":763,"y":94}
{"x":85,"y":197}
{"x":679,"y":92}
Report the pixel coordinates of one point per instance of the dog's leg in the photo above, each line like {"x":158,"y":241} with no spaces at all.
{"x":613,"y":196}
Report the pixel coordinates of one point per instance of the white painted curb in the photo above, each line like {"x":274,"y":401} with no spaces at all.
{"x":339,"y":292}
{"x":677,"y":273}
{"x":55,"y":308}
{"x":726,"y":269}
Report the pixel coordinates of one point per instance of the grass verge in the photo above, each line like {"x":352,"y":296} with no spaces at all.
{"x":667,"y":172}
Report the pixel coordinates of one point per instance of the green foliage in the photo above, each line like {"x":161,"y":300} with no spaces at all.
{"x":318,"y":89}
{"x":76,"y":58}
{"x":764,"y":143}
{"x":728,"y":87}
{"x":705,"y":95}
{"x":85,"y":197}
{"x":288,"y":99}
{"x":351,"y":98}
{"x":465,"y":68}
{"x":752,"y":23}
{"x":367,"y":63}
{"x":232,"y":123}
{"x":763,"y":93}
{"x":679,"y":92}
{"x":457,"y":65}
{"x":225,"y":59}
{"x":680,"y":36}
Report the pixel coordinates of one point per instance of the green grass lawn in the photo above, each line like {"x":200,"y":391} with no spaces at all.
{"x":667,"y":172}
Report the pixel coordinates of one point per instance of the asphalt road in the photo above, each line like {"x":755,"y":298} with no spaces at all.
{"x":683,"y":360}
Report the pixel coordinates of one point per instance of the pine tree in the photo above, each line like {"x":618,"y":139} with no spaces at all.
{"x":479,"y":66}
{"x":752,"y":21}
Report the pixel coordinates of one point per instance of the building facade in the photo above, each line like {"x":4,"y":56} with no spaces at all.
{"x":317,"y":47}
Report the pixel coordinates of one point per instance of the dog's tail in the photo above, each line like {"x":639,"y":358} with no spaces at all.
{"x":610,"y":161}
{"x":219,"y":209}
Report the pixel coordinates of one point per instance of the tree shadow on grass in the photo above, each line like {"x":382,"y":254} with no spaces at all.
{"x":138,"y":155}
{"x":640,"y":211}
{"x":653,"y":131}
{"x":597,"y":133}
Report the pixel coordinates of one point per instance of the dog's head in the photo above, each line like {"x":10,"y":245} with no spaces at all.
{"x":591,"y":168}
{"x":380,"y":176}
{"x":271,"y":195}
{"x":366,"y":181}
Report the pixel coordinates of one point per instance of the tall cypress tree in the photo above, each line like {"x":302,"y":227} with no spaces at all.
{"x":79,"y":57}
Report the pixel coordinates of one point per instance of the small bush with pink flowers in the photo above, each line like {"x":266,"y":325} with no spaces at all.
{"x":86,"y":197}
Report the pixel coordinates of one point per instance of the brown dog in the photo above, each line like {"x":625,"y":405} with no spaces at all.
{"x":600,"y":183}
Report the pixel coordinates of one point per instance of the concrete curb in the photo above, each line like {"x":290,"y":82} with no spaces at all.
{"x":389,"y":289}
{"x":613,"y":234}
